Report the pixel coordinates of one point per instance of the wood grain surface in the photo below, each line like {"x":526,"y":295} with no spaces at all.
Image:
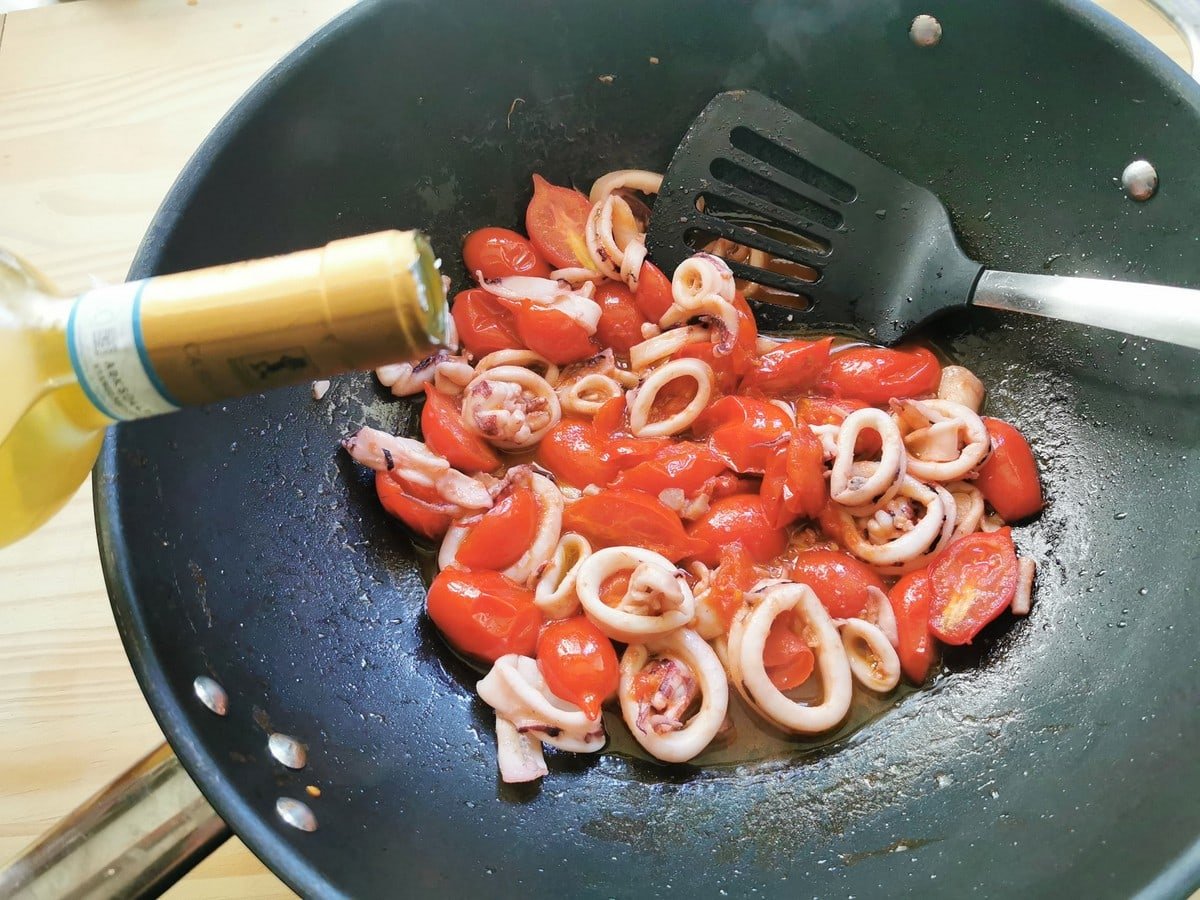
{"x":101,"y":104}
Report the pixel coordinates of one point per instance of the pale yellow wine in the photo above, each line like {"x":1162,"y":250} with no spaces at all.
{"x":73,"y":366}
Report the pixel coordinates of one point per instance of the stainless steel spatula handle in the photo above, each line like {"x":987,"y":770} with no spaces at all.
{"x":1155,"y":311}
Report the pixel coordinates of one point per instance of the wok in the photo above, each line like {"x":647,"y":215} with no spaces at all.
{"x":1055,"y":755}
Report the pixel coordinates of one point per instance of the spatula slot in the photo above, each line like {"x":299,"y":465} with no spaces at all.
{"x":758,"y":218}
{"x":732,"y":251}
{"x":755,"y":144}
{"x":789,"y":203}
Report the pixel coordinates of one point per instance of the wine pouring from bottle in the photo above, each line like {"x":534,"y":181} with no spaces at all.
{"x":74,"y":366}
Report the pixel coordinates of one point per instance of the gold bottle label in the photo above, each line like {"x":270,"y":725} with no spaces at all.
{"x":230,"y":330}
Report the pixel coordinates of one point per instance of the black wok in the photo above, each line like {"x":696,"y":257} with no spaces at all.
{"x":1056,"y":756}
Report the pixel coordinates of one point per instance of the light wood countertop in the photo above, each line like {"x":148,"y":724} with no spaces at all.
{"x":101,"y":104}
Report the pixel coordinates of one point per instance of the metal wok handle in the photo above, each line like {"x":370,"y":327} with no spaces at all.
{"x":135,"y":838}
{"x":1170,"y":314}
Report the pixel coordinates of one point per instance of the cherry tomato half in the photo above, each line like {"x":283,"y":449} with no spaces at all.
{"x":1008,"y":478}
{"x":875,"y":375}
{"x":788,"y":660}
{"x":411,"y":505}
{"x":974,"y":580}
{"x":910,"y":598}
{"x":839,"y":580}
{"x":653,"y":292}
{"x":577,"y":454}
{"x":578,"y":663}
{"x":619,"y":516}
{"x":794,"y":485}
{"x":743,"y":431}
{"x":826,"y":411}
{"x":555,"y":220}
{"x":483,"y":614}
{"x":788,"y":369}
{"x":736,"y":519}
{"x":686,"y":465}
{"x":484,"y":325}
{"x":551,"y":333}
{"x":500,"y":252}
{"x":503,"y":533}
{"x":446,"y":435}
{"x":734,"y":575}
{"x":621,"y":320}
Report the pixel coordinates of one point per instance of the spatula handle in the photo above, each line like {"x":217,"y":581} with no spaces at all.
{"x":1155,"y":311}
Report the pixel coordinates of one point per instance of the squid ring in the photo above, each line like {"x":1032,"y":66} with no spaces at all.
{"x":968,"y":502}
{"x":585,"y":395}
{"x":514,"y":357}
{"x":747,"y":641}
{"x":515,"y":689}
{"x":555,"y":592}
{"x":930,"y":529}
{"x":888,"y":472}
{"x":938,"y":443}
{"x":660,"y":346}
{"x":631,"y":179}
{"x":643,"y":402}
{"x":658,"y":599}
{"x":511,"y":407}
{"x":691,"y":651}
{"x":873,"y":659}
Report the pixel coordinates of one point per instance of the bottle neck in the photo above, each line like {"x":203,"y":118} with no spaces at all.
{"x":152,"y":346}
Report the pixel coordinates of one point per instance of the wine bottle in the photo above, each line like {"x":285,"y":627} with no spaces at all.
{"x":74,"y":366}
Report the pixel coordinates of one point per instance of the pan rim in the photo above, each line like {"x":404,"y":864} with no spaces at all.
{"x":1179,"y":877}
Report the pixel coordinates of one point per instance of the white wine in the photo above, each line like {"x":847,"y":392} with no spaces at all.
{"x":74,"y":366}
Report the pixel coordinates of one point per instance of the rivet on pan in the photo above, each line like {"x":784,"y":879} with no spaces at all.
{"x":211,"y":694}
{"x":296,"y":814}
{"x":925,"y":31}
{"x":1139,"y":180}
{"x":287,"y":750}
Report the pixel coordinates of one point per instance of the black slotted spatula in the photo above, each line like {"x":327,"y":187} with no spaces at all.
{"x":845,"y":241}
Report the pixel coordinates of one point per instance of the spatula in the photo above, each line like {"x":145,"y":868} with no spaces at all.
{"x":845,"y":241}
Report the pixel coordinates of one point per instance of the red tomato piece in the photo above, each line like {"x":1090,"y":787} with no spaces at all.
{"x":611,"y":425}
{"x":1008,"y":478}
{"x":504,"y":532}
{"x":974,"y":580}
{"x":621,"y":320}
{"x":484,"y":325}
{"x":722,"y":366}
{"x":794,"y":485}
{"x":743,"y":431}
{"x":619,"y":516}
{"x":790,"y":368}
{"x":653,"y":292}
{"x":876,"y":375}
{"x":578,"y":663}
{"x":412,"y":506}
{"x":576,"y":454}
{"x":736,"y":519}
{"x":788,"y":660}
{"x":733,"y":576}
{"x":500,"y":252}
{"x":839,"y":580}
{"x":555,"y":220}
{"x":686,"y":465}
{"x":483,"y":614}
{"x":446,"y":435}
{"x":551,"y":333}
{"x":911,"y":597}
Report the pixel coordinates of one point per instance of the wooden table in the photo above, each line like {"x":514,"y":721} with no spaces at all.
{"x":101,"y":104}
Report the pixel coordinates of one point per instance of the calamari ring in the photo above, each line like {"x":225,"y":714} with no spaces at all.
{"x":642,"y":403}
{"x":969,"y":508}
{"x":515,"y":689}
{"x":960,"y":385}
{"x":677,"y":606}
{"x":555,"y":592}
{"x":691,"y":651}
{"x":889,"y":471}
{"x":938,"y":443}
{"x":610,"y":228}
{"x":934,"y":526}
{"x":585,"y":395}
{"x":645,"y":354}
{"x":625,"y":179}
{"x":515,"y":357}
{"x":873,"y":660}
{"x":747,"y":641}
{"x":545,"y":539}
{"x":495,"y":407}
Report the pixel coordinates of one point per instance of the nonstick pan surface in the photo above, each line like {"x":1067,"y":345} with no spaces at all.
{"x":1055,"y":756}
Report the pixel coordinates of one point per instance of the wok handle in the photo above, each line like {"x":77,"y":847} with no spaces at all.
{"x":1170,"y":314}
{"x":135,"y":838}
{"x":1185,"y":16}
